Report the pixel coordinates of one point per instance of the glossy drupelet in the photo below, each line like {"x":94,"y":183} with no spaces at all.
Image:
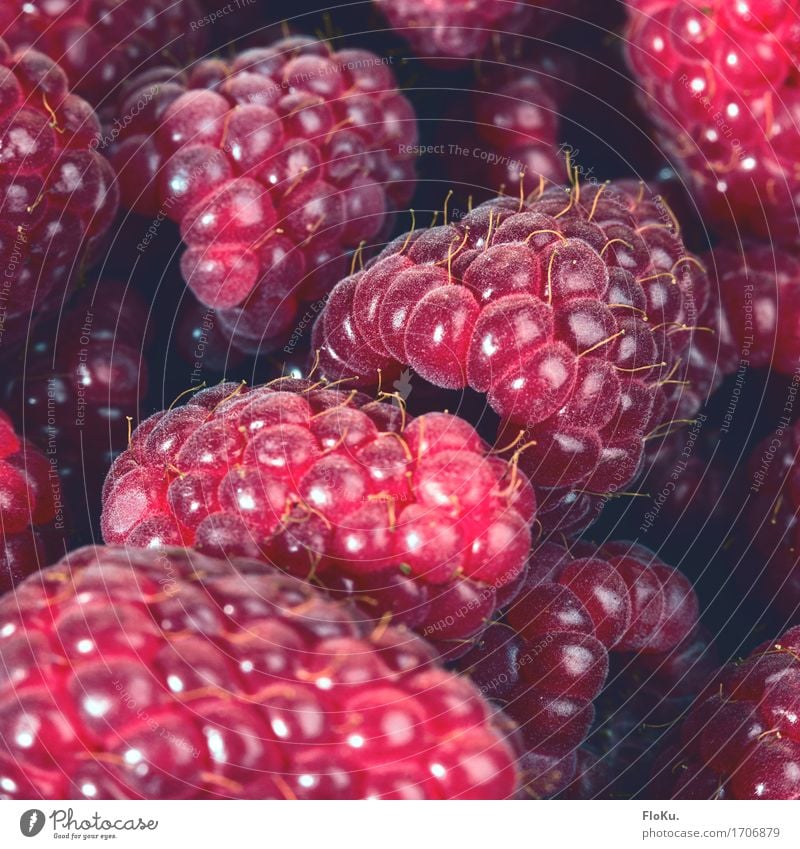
{"x":170,"y":675}
{"x":57,"y":193}
{"x":575,"y":312}
{"x":720,"y":81}
{"x":412,"y":517}
{"x":274,"y":165}
{"x":741,"y":738}
{"x":99,"y":43}
{"x":547,"y":660}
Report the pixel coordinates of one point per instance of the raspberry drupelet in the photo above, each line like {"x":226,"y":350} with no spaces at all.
{"x":57,"y":193}
{"x":136,"y":674}
{"x":412,"y":517}
{"x":721,"y":82}
{"x":740,"y":739}
{"x":98,"y":43}
{"x":30,"y":498}
{"x":547,"y":660}
{"x":574,"y":313}
{"x":274,"y":165}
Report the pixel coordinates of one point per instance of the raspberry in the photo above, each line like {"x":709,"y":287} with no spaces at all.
{"x":83,"y":378}
{"x":442,"y":32}
{"x":721,"y":83}
{"x":770,"y":564}
{"x":646,"y":694}
{"x":30,"y":505}
{"x":201,"y":342}
{"x":510,"y":137}
{"x":740,"y":739}
{"x":225,"y":682}
{"x":548,"y":660}
{"x":411,"y":517}
{"x":99,"y":43}
{"x":573,"y":313}
{"x":272,"y":165}
{"x":57,"y":193}
{"x":753,"y":281}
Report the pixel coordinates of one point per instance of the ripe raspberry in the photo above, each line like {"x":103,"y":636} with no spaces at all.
{"x":57,"y":194}
{"x":83,"y":376}
{"x":721,"y":83}
{"x":137,"y":674}
{"x":509,"y":136}
{"x":573,"y":313}
{"x":547,"y":660}
{"x":442,"y":32}
{"x":645,"y":696}
{"x":30,"y":505}
{"x":99,"y":43}
{"x":200,"y":341}
{"x":754,"y":281}
{"x":768,"y":559}
{"x":411,"y":517}
{"x":740,"y":739}
{"x":272,"y":165}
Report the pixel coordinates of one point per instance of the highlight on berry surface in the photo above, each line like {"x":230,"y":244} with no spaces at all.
{"x":578,"y":314}
{"x":413,"y":518}
{"x":274,"y":164}
{"x":171,"y":675}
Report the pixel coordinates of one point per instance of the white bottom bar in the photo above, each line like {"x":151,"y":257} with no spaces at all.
{"x":401,"y":825}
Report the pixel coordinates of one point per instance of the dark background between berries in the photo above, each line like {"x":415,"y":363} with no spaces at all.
{"x":603,"y":131}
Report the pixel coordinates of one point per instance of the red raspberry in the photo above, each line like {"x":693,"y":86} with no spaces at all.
{"x":30,"y":506}
{"x":740,"y":739}
{"x":139,"y":674}
{"x":646,"y":695}
{"x":441,"y":31}
{"x":272,"y":165}
{"x":410,"y":516}
{"x":99,"y":43}
{"x":768,"y":559}
{"x":721,"y":83}
{"x":57,"y":193}
{"x":201,"y":342}
{"x":573,"y":313}
{"x":754,"y":280}
{"x":84,"y":376}
{"x":547,"y":660}
{"x":509,"y":136}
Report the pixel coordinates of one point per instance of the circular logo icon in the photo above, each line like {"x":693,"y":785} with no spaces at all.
{"x":31,"y":822}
